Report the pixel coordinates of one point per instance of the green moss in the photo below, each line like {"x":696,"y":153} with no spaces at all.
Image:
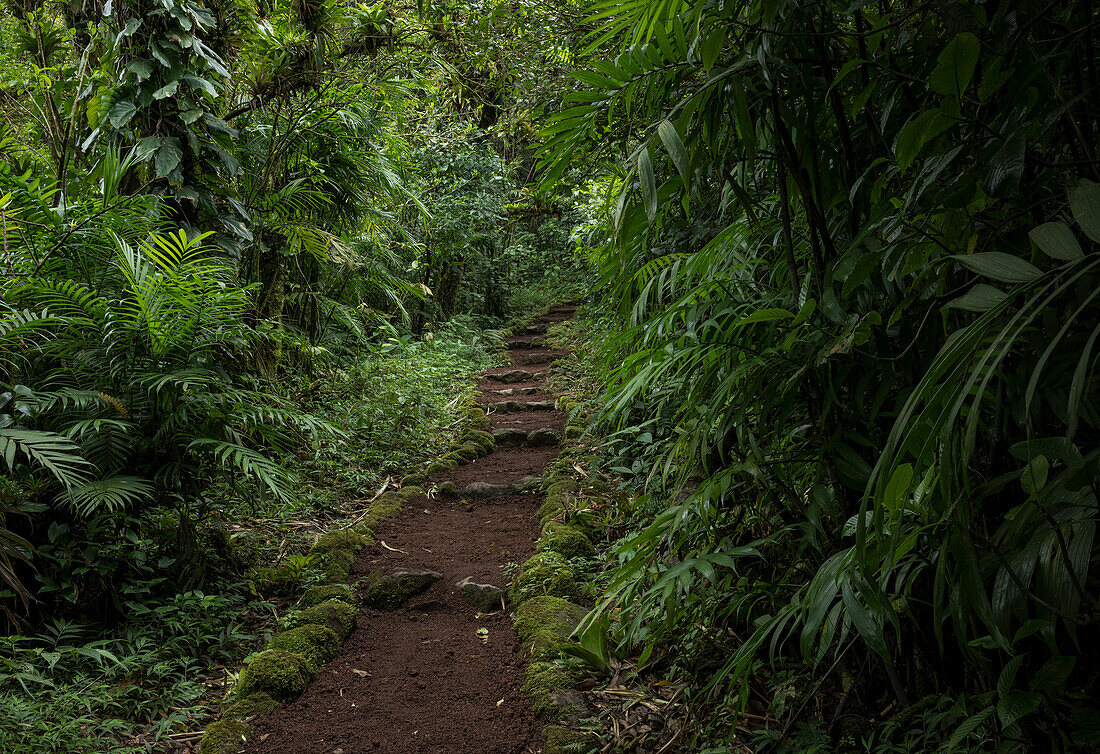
{"x":283,"y":675}
{"x":339,"y":616}
{"x":543,"y":681}
{"x":251,"y":706}
{"x":442,"y":466}
{"x":382,"y":509}
{"x":560,"y":490}
{"x":573,"y":432}
{"x":550,"y":614}
{"x":407,"y":493}
{"x":318,"y":644}
{"x":415,"y":480}
{"x":335,"y":565}
{"x":339,"y":539}
{"x":478,"y":437}
{"x":549,"y":511}
{"x":567,"y":540}
{"x":545,"y":573}
{"x":225,"y":737}
{"x":470,"y":451}
{"x":315,"y":595}
{"x":559,"y":740}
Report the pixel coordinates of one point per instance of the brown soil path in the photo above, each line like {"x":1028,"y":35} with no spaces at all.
{"x":421,"y":679}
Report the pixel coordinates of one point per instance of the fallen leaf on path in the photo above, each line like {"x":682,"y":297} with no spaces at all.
{"x":391,"y":549}
{"x":361,"y":673}
{"x":500,"y":702}
{"x":483,"y":634}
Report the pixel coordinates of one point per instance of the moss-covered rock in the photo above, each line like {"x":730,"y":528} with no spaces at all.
{"x":543,"y":682}
{"x":393,"y":591}
{"x":408,"y":493}
{"x":225,"y":737}
{"x":547,"y":613}
{"x":442,"y":466}
{"x":251,"y":706}
{"x":283,"y":675}
{"x":315,"y":595}
{"x":545,"y":573}
{"x":317,"y":643}
{"x":382,"y":509}
{"x":573,"y":432}
{"x":478,"y":437}
{"x":476,"y":417}
{"x":339,"y":539}
{"x":415,"y":480}
{"x":470,"y":451}
{"x":339,"y":616}
{"x":549,"y":511}
{"x":560,"y":489}
{"x":449,"y":489}
{"x":335,"y":565}
{"x":560,"y":740}
{"x":567,"y":540}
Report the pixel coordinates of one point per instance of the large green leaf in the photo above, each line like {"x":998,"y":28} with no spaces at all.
{"x":1084,"y":202}
{"x":1056,"y":240}
{"x":955,"y":66}
{"x":999,"y":266}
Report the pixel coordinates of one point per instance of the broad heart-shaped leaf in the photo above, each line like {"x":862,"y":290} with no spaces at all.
{"x":955,"y":66}
{"x":997,"y":265}
{"x":980,"y":298}
{"x":168,"y":156}
{"x":1056,"y":240}
{"x":141,"y":68}
{"x":1084,"y":202}
{"x":167,"y":90}
{"x":121,"y":113}
{"x":647,"y":183}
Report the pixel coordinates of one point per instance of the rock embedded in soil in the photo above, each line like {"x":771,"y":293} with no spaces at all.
{"x":315,"y":595}
{"x":337,"y":615}
{"x":506,"y":407}
{"x":225,"y":737}
{"x":487,"y":489}
{"x":544,"y":574}
{"x":317,"y":643}
{"x":485,"y":597}
{"x":539,"y":405}
{"x":526,"y":390}
{"x":527,"y":483}
{"x":249,"y":707}
{"x":536,"y":329}
{"x":449,"y":489}
{"x":519,"y":344}
{"x":393,"y":591}
{"x":283,"y":675}
{"x":567,"y":540}
{"x":513,"y":376}
{"x":509,"y":437}
{"x":544,"y":437}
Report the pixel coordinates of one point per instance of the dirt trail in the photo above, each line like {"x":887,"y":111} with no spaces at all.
{"x":421,"y":679}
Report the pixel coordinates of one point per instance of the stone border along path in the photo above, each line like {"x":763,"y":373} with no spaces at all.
{"x":434,"y":664}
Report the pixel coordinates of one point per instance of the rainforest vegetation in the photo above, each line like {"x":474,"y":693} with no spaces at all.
{"x":841,"y":284}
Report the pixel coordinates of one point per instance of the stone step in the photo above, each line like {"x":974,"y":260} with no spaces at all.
{"x":536,"y":438}
{"x":536,"y":329}
{"x":538,"y":358}
{"x":514,"y":391}
{"x":513,"y":376}
{"x":523,"y":343}
{"x":511,"y":407}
